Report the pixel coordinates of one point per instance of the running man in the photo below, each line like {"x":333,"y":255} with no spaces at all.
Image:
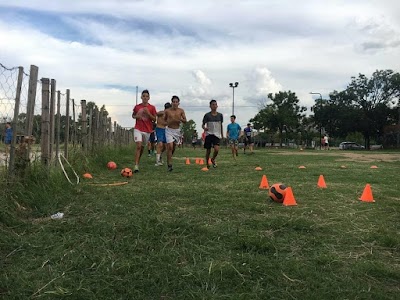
{"x":248,"y":139}
{"x":173,"y":116}
{"x":233,"y":133}
{"x":144,"y":114}
{"x":212,"y":125}
{"x":160,"y":133}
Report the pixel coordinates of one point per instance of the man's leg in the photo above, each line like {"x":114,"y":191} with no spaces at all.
{"x":138,"y":154}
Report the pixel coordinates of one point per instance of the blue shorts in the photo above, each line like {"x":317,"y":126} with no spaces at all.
{"x":160,"y":133}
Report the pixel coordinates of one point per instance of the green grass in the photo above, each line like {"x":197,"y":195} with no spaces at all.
{"x":191,"y":234}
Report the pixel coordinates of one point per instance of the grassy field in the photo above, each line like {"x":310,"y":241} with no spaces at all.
{"x":191,"y":234}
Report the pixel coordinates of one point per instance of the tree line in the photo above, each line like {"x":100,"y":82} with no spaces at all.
{"x":367,"y":106}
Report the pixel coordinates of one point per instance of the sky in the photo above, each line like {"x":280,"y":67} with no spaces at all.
{"x":102,"y":50}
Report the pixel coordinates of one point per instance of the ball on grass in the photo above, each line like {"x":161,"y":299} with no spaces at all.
{"x":126,"y":172}
{"x":277,"y":192}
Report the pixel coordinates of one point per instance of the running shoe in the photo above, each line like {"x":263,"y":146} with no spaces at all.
{"x":170,"y":168}
{"x":136,"y":169}
{"x":213,"y":162}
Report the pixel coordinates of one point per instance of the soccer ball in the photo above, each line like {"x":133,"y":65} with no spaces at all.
{"x":111,"y":165}
{"x":277,"y":192}
{"x":126,"y":172}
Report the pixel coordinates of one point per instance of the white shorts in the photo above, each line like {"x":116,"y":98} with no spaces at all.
{"x":173,"y":135}
{"x":141,"y":136}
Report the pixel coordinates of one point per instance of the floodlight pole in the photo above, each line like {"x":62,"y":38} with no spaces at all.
{"x":233,"y":86}
{"x":320,"y":126}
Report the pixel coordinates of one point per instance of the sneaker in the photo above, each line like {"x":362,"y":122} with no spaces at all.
{"x":170,"y":168}
{"x":136,"y":170}
{"x":160,"y":163}
{"x":213,"y":162}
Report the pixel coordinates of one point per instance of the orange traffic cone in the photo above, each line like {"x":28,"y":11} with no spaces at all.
{"x":187,"y":161}
{"x":205,"y":169}
{"x":321,"y":182}
{"x":264,"y":183}
{"x":258,"y":168}
{"x":367,"y":194}
{"x":374,"y":167}
{"x":302,"y":167}
{"x":289,"y":198}
{"x":201,"y":162}
{"x":197,"y":161}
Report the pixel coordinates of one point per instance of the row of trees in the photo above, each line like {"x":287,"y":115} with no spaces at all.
{"x":367,"y":106}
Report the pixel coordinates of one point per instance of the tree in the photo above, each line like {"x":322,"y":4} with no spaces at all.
{"x":283,"y":114}
{"x":373,"y":98}
{"x":187,"y":130}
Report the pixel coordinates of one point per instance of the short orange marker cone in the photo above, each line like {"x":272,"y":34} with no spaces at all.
{"x":374,"y":167}
{"x":289,"y":198}
{"x":258,"y":169}
{"x":321,"y":182}
{"x":204,"y":169}
{"x":302,"y":167}
{"x":197,"y":161}
{"x":201,"y":162}
{"x":367,"y":194}
{"x":187,"y":161}
{"x":264,"y":183}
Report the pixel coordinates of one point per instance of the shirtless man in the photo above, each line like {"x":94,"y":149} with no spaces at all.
{"x":160,"y":133}
{"x":173,"y":116}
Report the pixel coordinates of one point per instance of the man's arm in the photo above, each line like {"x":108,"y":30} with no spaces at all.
{"x":183,"y":117}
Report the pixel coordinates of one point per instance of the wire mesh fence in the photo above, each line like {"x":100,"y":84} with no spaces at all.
{"x":39,"y":122}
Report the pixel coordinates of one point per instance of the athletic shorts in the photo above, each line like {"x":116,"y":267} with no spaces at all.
{"x":141,"y":136}
{"x":160,"y":133}
{"x":173,"y":135}
{"x":211,"y":141}
{"x":248,"y":140}
{"x":233,"y":142}
{"x":152,"y":138}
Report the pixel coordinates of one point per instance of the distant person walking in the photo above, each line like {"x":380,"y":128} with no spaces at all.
{"x":233,"y":133}
{"x":212,"y":125}
{"x":160,"y":133}
{"x":326,"y":142}
{"x":144,"y":114}
{"x":8,"y":137}
{"x":248,"y":140}
{"x":173,"y":116}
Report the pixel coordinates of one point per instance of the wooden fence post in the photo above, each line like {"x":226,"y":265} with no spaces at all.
{"x":30,"y":109}
{"x":84,"y":126}
{"x":14,"y":121}
{"x":52,"y":121}
{"x":58,"y":125}
{"x":67,"y":125}
{"x":45,"y":137}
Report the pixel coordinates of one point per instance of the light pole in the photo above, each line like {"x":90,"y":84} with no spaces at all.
{"x":233,"y":86}
{"x":320,"y":127}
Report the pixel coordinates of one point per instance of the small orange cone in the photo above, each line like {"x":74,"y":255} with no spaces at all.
{"x":367,"y":194}
{"x":258,"y":169}
{"x":87,"y":176}
{"x":374,"y":167}
{"x":264,"y":183}
{"x":204,"y":169}
{"x":321,"y":182}
{"x":302,"y":167}
{"x":201,"y":162}
{"x":187,"y":161}
{"x":197,"y":161}
{"x":289,"y":198}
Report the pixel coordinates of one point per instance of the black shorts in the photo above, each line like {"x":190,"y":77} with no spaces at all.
{"x":248,"y":141}
{"x":152,"y":138}
{"x":211,"y":141}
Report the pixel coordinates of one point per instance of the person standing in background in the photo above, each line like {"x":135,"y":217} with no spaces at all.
{"x":8,"y":137}
{"x":144,"y":114}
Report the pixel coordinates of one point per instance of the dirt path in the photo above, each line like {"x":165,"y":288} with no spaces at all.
{"x":364,"y":156}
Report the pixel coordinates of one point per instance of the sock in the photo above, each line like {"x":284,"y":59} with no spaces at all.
{"x":158,"y":157}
